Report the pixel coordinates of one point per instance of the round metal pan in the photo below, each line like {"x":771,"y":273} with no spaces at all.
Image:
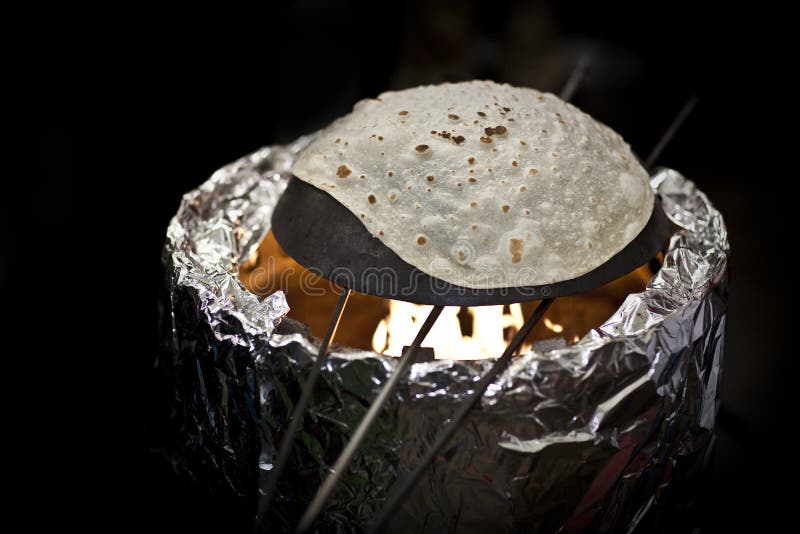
{"x":329,"y":240}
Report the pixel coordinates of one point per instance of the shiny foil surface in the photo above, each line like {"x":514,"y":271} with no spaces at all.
{"x":609,"y":434}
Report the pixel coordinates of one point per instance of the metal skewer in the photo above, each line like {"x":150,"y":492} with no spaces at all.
{"x":358,"y":436}
{"x":670,"y":132}
{"x":574,"y":79}
{"x":402,"y":488}
{"x":265,"y":497}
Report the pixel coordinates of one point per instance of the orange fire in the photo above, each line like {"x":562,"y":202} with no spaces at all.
{"x":486,"y":340}
{"x":386,"y":326}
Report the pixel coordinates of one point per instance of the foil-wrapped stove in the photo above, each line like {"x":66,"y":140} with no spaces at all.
{"x":609,"y":434}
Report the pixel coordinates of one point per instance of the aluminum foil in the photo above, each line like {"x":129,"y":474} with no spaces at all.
{"x":609,"y":434}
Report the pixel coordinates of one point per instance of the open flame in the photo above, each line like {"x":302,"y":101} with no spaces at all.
{"x":463,"y":333}
{"x":555,"y":327}
{"x":490,"y":329}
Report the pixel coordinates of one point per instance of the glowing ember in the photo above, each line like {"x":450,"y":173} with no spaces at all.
{"x":491,"y":328}
{"x":555,"y":327}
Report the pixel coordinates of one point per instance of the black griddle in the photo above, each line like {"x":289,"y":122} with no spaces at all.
{"x":328,"y":239}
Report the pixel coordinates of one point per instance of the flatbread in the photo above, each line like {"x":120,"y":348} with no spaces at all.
{"x":483,"y":185}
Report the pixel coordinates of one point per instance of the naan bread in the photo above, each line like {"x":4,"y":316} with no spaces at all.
{"x":483,"y":185}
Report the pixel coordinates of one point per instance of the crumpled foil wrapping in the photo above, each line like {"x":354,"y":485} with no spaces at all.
{"x":609,"y":434}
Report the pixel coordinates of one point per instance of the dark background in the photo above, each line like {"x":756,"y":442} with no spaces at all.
{"x":111,"y":117}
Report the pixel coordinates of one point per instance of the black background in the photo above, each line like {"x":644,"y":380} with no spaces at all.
{"x":110,"y":117}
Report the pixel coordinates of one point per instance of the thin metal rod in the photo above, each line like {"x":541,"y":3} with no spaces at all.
{"x":574,"y":80}
{"x":358,"y":436}
{"x":265,"y":498}
{"x":670,"y":132}
{"x":402,"y":489}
